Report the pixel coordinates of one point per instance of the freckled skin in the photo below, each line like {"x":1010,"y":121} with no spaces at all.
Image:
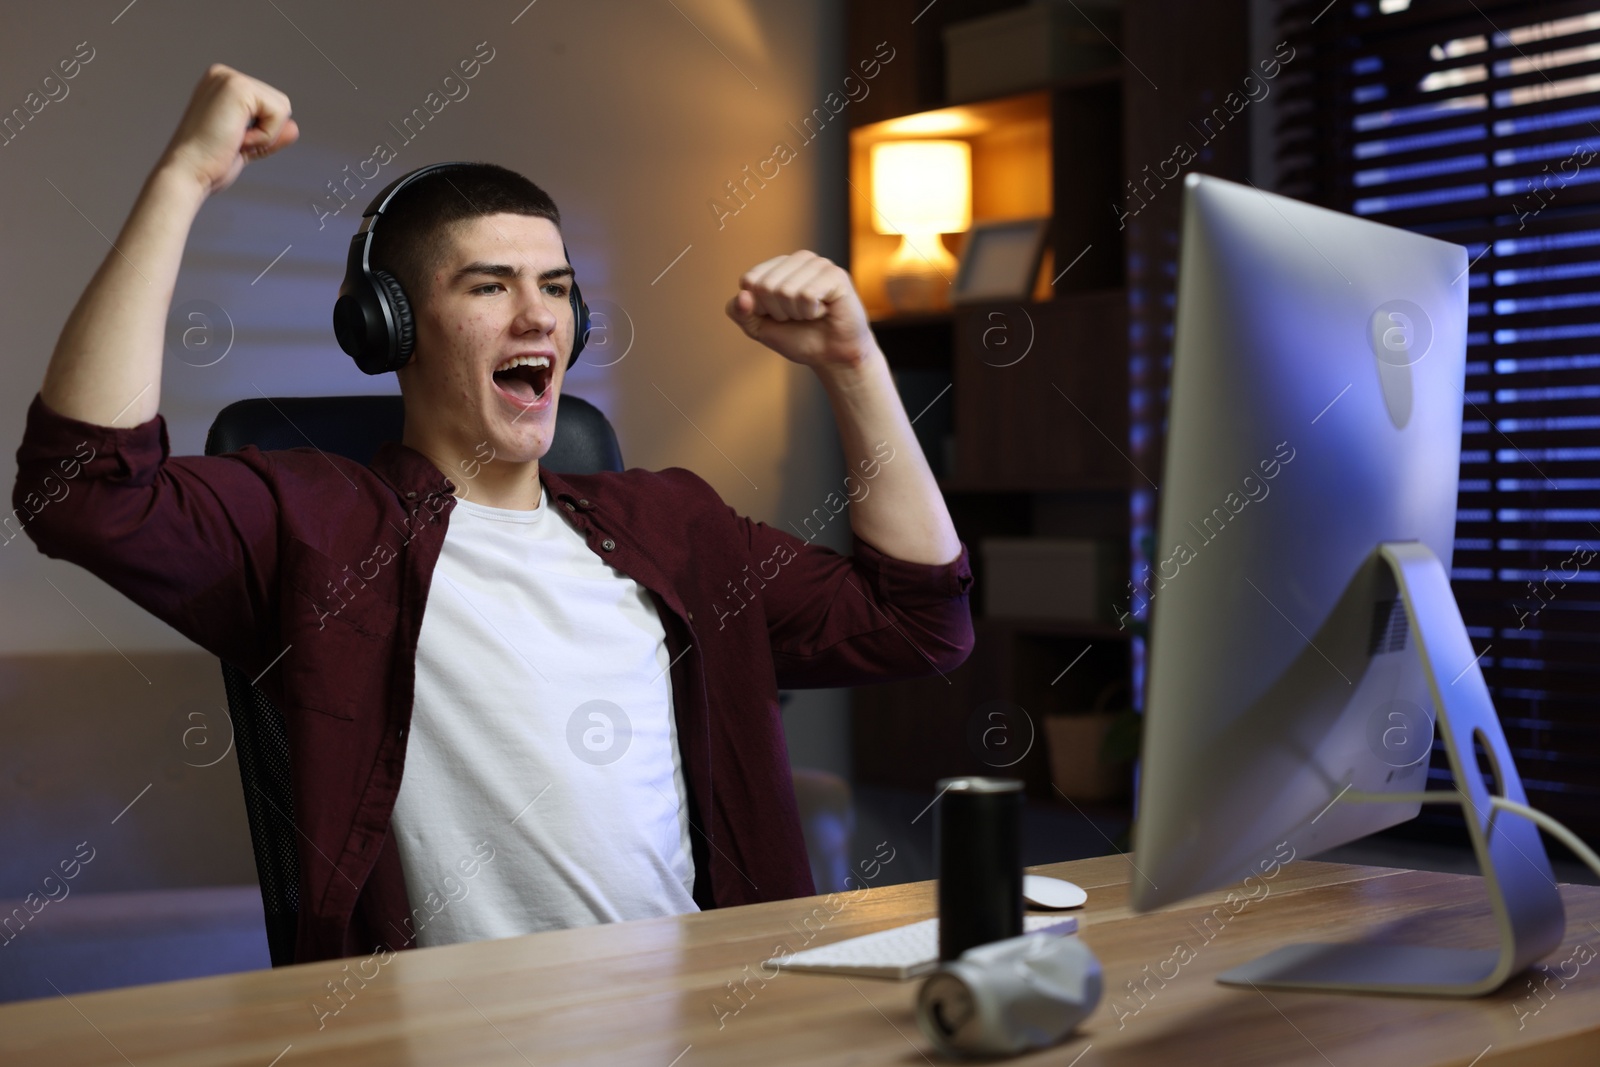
{"x":465,"y":328}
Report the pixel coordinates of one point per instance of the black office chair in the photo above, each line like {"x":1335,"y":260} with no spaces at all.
{"x":354,"y":427}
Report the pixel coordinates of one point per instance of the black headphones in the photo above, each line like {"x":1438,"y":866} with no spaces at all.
{"x":372,"y":317}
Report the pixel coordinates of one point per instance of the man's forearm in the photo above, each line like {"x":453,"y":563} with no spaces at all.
{"x":106,"y":368}
{"x":903,"y":515}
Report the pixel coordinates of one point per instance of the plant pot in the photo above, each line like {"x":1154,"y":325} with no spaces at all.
{"x":1076,"y":768}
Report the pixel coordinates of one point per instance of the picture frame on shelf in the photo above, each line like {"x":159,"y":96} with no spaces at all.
{"x":1000,"y":260}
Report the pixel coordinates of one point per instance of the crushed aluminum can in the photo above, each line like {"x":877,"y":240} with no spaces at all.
{"x":1023,"y":993}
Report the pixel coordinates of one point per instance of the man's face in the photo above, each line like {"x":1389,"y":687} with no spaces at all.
{"x":498,"y":298}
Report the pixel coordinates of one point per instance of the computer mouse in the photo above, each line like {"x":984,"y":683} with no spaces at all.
{"x":1042,"y":892}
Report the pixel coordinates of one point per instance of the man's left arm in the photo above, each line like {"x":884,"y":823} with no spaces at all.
{"x":805,"y":308}
{"x":898,"y":607}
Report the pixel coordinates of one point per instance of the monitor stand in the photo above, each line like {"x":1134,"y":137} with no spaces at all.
{"x":1528,"y":915}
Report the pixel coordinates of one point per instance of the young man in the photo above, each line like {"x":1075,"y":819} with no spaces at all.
{"x":577,"y":674}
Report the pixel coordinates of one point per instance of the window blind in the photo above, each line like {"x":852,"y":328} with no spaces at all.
{"x":1478,"y":122}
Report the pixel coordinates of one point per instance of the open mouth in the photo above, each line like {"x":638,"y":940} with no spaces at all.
{"x":525,"y":379}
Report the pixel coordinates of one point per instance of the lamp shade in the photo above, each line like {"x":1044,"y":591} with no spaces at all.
{"x":921,"y":187}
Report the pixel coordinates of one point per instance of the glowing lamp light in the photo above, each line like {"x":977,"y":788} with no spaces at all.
{"x":921,"y":189}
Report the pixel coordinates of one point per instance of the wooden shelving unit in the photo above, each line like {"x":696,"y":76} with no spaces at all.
{"x":1026,"y":403}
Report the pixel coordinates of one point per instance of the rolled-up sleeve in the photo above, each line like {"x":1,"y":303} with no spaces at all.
{"x":191,"y":539}
{"x":837,"y":620}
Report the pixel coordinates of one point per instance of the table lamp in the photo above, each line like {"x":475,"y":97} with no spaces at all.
{"x":920,"y":189}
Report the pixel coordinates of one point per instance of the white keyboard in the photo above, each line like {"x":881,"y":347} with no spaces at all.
{"x":903,"y":952}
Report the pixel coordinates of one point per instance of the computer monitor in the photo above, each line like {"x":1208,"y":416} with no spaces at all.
{"x":1304,"y":640}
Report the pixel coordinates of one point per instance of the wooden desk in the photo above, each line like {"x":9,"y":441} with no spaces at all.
{"x":656,"y":992}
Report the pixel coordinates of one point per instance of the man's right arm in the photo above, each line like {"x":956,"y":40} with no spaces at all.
{"x":193,"y":540}
{"x":106,"y":368}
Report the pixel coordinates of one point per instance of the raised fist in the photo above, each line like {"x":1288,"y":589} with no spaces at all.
{"x":232,"y":119}
{"x":803,"y":307}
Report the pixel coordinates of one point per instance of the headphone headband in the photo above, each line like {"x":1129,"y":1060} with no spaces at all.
{"x":389,"y":192}
{"x":372,"y":319}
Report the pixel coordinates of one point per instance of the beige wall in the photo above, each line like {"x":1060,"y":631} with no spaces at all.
{"x":632,"y":114}
{"x":130,"y":771}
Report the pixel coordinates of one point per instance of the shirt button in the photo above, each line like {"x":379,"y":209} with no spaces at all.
{"x":568,"y":505}
{"x":411,"y":495}
{"x":691,"y":616}
{"x":608,"y":544}
{"x":583,"y":503}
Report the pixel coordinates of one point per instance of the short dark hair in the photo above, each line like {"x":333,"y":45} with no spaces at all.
{"x":412,"y":238}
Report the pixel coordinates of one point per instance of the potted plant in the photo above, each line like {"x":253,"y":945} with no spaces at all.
{"x":1091,"y":752}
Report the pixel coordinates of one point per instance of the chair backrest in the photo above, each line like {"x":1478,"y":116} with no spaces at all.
{"x":354,"y":427}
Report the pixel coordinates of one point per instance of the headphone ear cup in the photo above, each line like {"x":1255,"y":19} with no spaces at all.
{"x":580,"y":324}
{"x":350,"y":321}
{"x":403,"y":339}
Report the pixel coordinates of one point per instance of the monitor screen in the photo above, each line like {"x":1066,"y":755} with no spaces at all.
{"x":1316,"y":412}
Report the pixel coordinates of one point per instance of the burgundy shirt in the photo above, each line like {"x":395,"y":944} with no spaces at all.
{"x":315,"y":570}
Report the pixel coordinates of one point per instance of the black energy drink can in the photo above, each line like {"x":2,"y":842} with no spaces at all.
{"x":978,"y":853}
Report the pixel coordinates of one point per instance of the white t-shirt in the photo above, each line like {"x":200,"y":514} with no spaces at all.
{"x":542,"y":787}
